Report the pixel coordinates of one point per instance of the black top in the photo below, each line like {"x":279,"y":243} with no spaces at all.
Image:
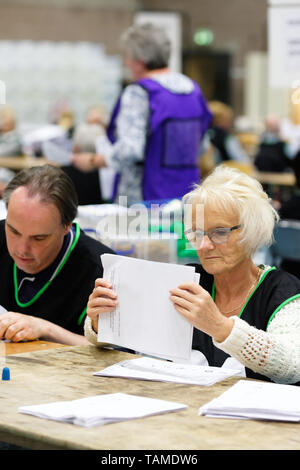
{"x":290,"y":209}
{"x":271,"y":157}
{"x":218,"y":138}
{"x":275,"y":288}
{"x":65,"y":299}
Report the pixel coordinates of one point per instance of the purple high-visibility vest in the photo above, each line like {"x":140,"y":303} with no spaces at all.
{"x":177,"y":124}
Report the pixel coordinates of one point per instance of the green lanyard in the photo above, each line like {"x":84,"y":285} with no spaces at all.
{"x":42,"y":290}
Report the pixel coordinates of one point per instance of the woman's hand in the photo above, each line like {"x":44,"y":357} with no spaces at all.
{"x":103,"y":299}
{"x":197,"y":306}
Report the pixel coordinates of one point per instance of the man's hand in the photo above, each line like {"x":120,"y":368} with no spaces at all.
{"x":18,"y":327}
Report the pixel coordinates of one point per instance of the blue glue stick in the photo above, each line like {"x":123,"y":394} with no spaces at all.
{"x":5,"y":373}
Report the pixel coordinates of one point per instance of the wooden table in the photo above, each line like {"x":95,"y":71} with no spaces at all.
{"x":16,"y":348}
{"x":22,"y":162}
{"x":67,"y":373}
{"x":277,"y":179}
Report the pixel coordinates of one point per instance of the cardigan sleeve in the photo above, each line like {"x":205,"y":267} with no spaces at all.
{"x":131,"y":124}
{"x":92,"y":336}
{"x":274,"y":353}
{"x":89,"y":333}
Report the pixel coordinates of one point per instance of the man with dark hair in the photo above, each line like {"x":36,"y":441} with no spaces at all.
{"x":48,"y":265}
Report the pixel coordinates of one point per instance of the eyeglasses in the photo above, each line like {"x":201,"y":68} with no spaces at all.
{"x":216,"y":235}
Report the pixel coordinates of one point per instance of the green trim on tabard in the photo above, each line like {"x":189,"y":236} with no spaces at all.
{"x":82,"y":316}
{"x":260,"y":281}
{"x":42,"y":290}
{"x":297,"y":296}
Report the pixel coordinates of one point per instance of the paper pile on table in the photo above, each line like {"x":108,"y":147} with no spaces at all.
{"x":256,"y":400}
{"x":146,"y":368}
{"x":102,"y":409}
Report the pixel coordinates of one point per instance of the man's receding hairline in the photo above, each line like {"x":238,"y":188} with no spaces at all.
{"x":32,"y":193}
{"x":45,"y":201}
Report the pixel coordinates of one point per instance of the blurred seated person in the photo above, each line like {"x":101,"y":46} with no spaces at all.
{"x":6,"y":176}
{"x":226,"y":145}
{"x":86,"y":133}
{"x":62,"y":115}
{"x":48,"y":265}
{"x":67,"y":122}
{"x":157,"y":125}
{"x":240,"y":310}
{"x":290,"y":210}
{"x":207,"y":161}
{"x":272,"y":155}
{"x":84,"y":138}
{"x":10,"y":141}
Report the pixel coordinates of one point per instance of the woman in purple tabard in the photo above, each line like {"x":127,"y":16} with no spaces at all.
{"x":157,"y":125}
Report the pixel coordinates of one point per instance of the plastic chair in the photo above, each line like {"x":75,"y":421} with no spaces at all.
{"x":286,"y":243}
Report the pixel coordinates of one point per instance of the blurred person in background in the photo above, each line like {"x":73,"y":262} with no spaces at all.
{"x":84,"y":139}
{"x":61,"y":114}
{"x":86,"y":133}
{"x":157,"y":125}
{"x":10,"y":142}
{"x":289,"y":209}
{"x":225,"y":144}
{"x":272,"y":154}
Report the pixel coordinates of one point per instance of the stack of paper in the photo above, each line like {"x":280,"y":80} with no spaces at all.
{"x":256,"y":400}
{"x":102,"y":409}
{"x":153,"y":369}
{"x":145,"y":319}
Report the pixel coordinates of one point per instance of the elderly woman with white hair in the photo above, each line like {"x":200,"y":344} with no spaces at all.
{"x":239,"y":310}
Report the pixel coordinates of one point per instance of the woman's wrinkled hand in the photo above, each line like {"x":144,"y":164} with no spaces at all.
{"x":198,"y":307}
{"x":102,"y":300}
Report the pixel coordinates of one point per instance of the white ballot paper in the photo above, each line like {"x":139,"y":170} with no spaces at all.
{"x":102,"y":409}
{"x":145,"y":319}
{"x":146,"y":368}
{"x":256,"y":400}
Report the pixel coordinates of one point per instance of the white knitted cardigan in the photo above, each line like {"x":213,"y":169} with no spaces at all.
{"x":274,"y":353}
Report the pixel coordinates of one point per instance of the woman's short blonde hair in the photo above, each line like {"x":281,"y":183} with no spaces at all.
{"x":228,"y":189}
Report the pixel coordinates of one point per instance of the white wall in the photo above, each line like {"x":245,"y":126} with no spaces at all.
{"x":261,"y":99}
